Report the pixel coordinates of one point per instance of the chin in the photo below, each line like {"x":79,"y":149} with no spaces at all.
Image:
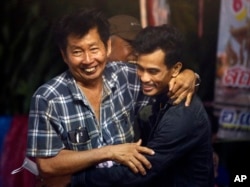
{"x":150,"y":94}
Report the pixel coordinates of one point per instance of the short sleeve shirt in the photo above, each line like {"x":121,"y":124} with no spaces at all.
{"x":61,"y":118}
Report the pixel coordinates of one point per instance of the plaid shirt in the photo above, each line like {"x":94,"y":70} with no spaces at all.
{"x":61,"y":117}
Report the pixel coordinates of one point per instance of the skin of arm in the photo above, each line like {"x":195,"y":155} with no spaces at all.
{"x":56,"y":171}
{"x":183,"y":86}
{"x":67,"y":162}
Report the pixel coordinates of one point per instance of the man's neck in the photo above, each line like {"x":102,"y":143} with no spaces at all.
{"x":93,"y":93}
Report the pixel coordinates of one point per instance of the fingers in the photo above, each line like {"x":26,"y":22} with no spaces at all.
{"x":171,"y":84}
{"x":188,"y":100}
{"x":182,"y":92}
{"x":131,"y":155}
{"x":131,"y":166}
{"x":138,"y":163}
{"x":136,"y":166}
{"x":139,"y":142}
{"x":178,"y":88}
{"x":145,"y":150}
{"x":182,"y":87}
{"x":178,"y":94}
{"x":179,"y":97}
{"x":143,"y":161}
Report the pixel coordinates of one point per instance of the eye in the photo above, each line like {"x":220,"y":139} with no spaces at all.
{"x":153,"y":71}
{"x":139,"y":68}
{"x":77,"y":53}
{"x":94,"y":49}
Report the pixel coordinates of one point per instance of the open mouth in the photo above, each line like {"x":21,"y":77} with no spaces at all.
{"x":90,"y":70}
{"x":147,"y":88}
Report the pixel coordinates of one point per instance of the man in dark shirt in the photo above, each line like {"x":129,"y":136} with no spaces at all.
{"x":179,"y":135}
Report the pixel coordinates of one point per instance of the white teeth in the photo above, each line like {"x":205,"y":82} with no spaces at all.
{"x":89,"y":70}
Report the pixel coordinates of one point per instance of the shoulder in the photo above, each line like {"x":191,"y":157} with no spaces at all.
{"x":120,"y":66}
{"x":180,"y":112}
{"x":56,"y":86}
{"x":120,"y":71}
{"x":188,"y":120}
{"x":195,"y":105}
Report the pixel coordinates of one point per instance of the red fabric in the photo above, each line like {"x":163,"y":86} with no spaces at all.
{"x":157,"y":12}
{"x":14,"y":149}
{"x":151,"y":20}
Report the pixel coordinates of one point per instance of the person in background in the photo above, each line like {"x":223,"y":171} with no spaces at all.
{"x":84,"y":117}
{"x":179,"y":135}
{"x":123,"y":30}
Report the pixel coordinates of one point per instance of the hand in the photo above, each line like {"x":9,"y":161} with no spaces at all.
{"x":56,"y":181}
{"x":182,"y":87}
{"x":130,"y":154}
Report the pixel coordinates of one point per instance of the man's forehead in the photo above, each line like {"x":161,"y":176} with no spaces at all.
{"x":153,"y":59}
{"x":90,"y":38}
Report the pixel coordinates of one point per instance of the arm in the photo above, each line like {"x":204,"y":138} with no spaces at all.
{"x":169,"y":143}
{"x":68,"y":162}
{"x":56,"y":171}
{"x":48,"y":141}
{"x":183,"y":86}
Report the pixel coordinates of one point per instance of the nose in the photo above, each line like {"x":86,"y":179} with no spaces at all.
{"x":88,"y":58}
{"x":144,"y":77}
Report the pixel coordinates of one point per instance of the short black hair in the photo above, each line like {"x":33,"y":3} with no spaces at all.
{"x":164,"y":37}
{"x":79,"y":23}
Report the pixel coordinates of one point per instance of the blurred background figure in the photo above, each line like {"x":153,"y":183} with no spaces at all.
{"x":123,"y":30}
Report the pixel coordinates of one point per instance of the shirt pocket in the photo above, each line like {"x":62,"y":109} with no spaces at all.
{"x":80,"y":146}
{"x":79,"y":139}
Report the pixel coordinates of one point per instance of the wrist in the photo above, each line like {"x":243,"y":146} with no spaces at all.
{"x":107,"y":152}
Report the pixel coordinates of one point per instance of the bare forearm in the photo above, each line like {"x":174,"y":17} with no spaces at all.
{"x":68,"y":162}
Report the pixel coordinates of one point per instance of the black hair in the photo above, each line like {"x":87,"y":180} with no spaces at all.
{"x":164,"y":37}
{"x":79,"y":23}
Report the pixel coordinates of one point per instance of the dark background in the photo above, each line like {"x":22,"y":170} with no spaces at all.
{"x":28,"y":56}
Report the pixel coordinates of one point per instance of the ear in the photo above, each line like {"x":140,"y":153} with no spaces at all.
{"x":176,"y":69}
{"x":108,"y":47}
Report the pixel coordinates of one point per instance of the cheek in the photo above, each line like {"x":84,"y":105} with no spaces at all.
{"x":74,"y":61}
{"x":165,"y":81}
{"x":160,"y":80}
{"x":115,"y":49}
{"x":119,"y":48}
{"x":120,"y":55}
{"x":100,"y":56}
